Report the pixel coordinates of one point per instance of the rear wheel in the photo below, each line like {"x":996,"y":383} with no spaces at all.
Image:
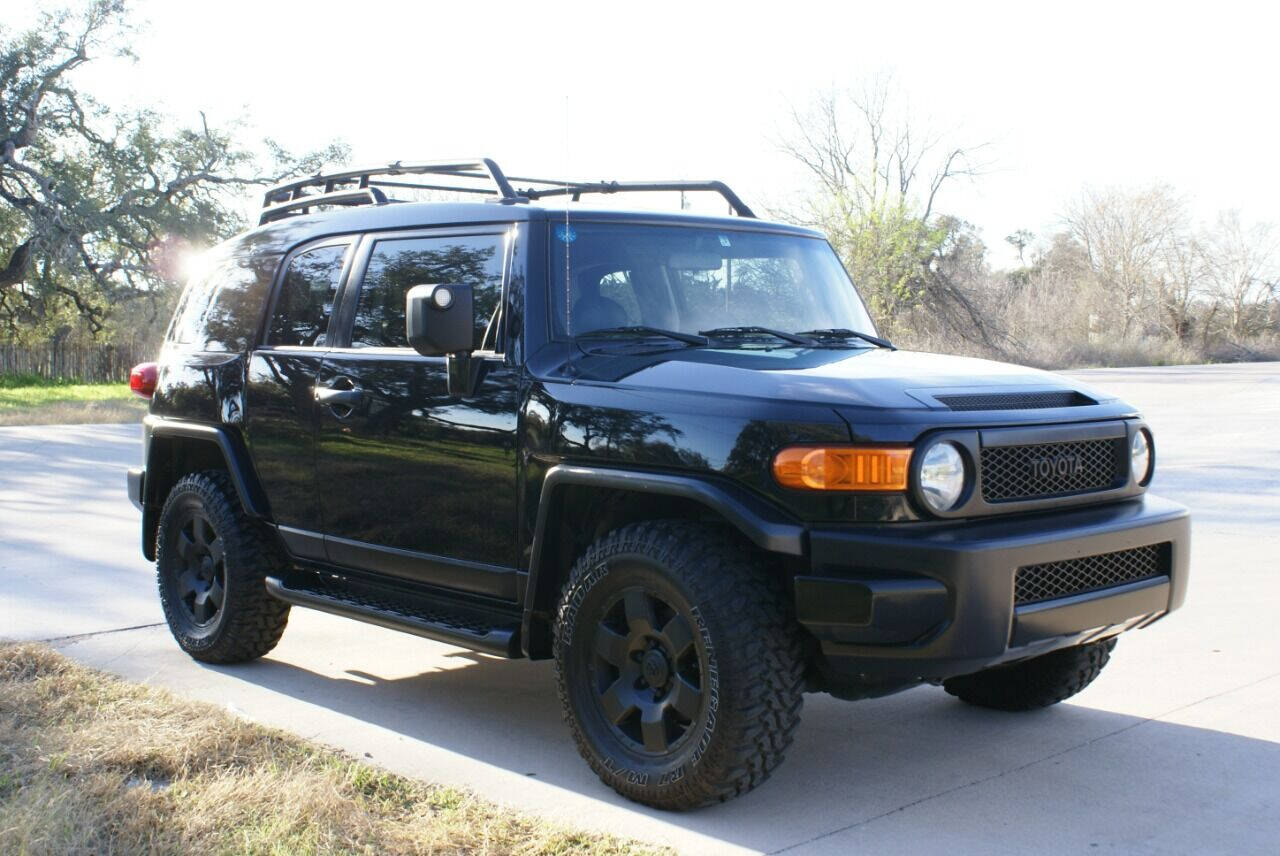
{"x":678,"y":665}
{"x":1034,"y":683}
{"x":211,"y":560}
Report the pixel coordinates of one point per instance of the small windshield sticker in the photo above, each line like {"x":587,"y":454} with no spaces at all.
{"x":566,"y":234}
{"x":724,"y":241}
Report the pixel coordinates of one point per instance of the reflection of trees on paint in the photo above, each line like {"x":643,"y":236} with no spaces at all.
{"x":626,"y":434}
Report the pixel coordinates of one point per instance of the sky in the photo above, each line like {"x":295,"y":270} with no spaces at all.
{"x":1064,"y":95}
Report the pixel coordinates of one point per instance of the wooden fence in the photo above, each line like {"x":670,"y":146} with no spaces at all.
{"x":86,"y":363}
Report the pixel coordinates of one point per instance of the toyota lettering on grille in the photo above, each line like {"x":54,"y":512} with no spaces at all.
{"x":1061,"y":466}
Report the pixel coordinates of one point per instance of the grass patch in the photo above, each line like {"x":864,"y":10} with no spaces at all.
{"x":93,"y":764}
{"x":25,"y":400}
{"x":20,"y":381}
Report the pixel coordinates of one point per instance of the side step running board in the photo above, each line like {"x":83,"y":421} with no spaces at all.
{"x":475,"y":629}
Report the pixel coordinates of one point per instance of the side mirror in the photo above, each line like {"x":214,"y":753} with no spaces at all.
{"x":439,"y":319}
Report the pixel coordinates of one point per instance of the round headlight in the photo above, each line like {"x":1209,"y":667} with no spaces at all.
{"x":1140,"y":456}
{"x":942,"y":476}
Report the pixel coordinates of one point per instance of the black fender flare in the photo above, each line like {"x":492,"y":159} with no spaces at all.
{"x":764,"y":524}
{"x":234,"y":454}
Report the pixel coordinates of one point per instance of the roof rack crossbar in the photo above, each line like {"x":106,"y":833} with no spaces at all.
{"x":336,"y":188}
{"x":576,"y":190}
{"x":300,"y":205}
{"x":413,"y":185}
{"x":479,"y":168}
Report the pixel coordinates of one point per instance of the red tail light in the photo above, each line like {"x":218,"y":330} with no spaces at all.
{"x":142,"y":379}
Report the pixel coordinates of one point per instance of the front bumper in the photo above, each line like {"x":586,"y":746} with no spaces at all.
{"x":897,"y":604}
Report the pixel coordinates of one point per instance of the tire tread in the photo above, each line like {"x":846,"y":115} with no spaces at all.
{"x":256,"y":620}
{"x":1039,"y":682}
{"x":757,"y":721}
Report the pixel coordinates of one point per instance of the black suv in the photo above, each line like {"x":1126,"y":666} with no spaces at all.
{"x":667,"y":450}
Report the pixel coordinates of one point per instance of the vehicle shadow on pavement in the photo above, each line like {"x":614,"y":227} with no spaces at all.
{"x":1064,"y":778}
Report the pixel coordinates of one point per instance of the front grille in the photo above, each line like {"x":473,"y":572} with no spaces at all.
{"x":1016,"y":400}
{"x":1051,"y":580}
{"x":1012,"y":473}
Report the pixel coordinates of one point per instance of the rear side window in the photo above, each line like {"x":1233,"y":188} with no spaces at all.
{"x":222,"y":308}
{"x":306,"y":297}
{"x":397,"y":265}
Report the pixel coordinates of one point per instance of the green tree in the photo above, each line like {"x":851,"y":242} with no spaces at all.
{"x":876,"y":178}
{"x":96,"y":203}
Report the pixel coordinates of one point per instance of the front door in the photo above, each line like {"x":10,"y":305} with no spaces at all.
{"x":279,"y":391}
{"x":413,"y":483}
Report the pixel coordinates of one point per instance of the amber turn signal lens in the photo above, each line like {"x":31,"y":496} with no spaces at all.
{"x":842,"y":468}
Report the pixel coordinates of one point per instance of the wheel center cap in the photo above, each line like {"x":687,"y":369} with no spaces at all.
{"x":655,"y":668}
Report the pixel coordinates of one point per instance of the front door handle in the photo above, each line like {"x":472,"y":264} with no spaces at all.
{"x":332,"y":396}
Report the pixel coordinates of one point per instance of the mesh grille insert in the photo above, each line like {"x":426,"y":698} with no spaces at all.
{"x":1076,"y":576}
{"x":1011,"y":473}
{"x":1015,"y":400}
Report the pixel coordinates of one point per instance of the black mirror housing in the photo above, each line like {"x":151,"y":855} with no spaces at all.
{"x":440,"y":319}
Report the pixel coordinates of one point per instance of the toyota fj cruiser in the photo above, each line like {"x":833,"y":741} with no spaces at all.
{"x":668,"y":451}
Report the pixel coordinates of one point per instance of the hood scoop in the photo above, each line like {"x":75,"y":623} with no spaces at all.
{"x":1028,"y":400}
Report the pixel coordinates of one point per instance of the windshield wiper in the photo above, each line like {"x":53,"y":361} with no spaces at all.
{"x":793,"y":338}
{"x":641,"y":330}
{"x":846,"y":333}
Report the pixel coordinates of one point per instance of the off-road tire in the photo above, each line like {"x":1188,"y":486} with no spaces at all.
{"x":1035,"y":683}
{"x":249,"y":622}
{"x":745,"y":640}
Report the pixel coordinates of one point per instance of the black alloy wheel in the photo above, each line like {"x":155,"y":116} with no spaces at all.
{"x":648,"y":672}
{"x":679,"y":665}
{"x":202,"y":573}
{"x":211,"y":563}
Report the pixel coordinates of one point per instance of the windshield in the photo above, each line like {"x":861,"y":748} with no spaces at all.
{"x":687,"y":279}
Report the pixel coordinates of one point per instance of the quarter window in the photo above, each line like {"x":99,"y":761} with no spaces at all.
{"x":397,"y":265}
{"x":222,"y":309}
{"x":306,"y":297}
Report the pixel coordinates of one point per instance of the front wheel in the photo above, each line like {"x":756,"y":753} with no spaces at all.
{"x":1034,"y":683}
{"x":678,"y":664}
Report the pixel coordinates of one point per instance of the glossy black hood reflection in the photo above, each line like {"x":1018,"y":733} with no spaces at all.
{"x":861,"y":378}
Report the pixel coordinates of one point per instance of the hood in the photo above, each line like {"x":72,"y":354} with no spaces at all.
{"x":876,"y":379}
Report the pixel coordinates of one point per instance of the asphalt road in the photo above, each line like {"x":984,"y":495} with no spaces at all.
{"x":1175,"y":749}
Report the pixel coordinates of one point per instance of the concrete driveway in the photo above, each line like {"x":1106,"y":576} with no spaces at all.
{"x":1176,"y":748}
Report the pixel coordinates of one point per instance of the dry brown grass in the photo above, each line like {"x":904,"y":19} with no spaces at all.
{"x":93,"y":764}
{"x":75,"y":413}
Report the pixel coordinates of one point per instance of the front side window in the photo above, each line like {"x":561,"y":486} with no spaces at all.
{"x":306,"y":297}
{"x":397,"y":265}
{"x":687,"y":279}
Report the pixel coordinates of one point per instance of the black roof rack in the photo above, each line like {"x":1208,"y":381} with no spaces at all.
{"x":478,"y":175}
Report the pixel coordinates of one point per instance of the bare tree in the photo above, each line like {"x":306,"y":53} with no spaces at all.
{"x":867,"y":155}
{"x":1126,"y":235}
{"x":1242,"y":271}
{"x":1181,"y":282}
